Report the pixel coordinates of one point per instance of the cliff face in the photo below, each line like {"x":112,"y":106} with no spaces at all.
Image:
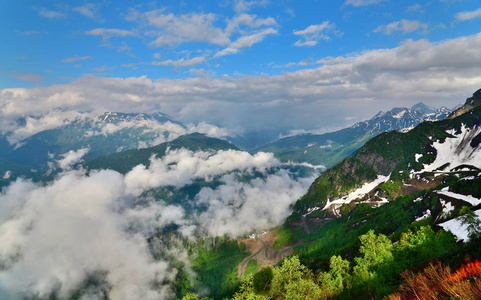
{"x":471,"y":103}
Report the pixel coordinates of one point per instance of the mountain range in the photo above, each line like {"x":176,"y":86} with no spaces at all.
{"x":401,"y":179}
{"x":330,"y":148}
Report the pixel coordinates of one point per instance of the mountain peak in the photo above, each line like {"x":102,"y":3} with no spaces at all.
{"x":422,"y":107}
{"x":471,"y":103}
{"x":475,"y":99}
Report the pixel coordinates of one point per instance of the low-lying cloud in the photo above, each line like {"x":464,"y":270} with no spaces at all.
{"x":55,"y":236}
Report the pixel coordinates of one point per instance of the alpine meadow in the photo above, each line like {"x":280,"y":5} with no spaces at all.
{"x":240,"y":149}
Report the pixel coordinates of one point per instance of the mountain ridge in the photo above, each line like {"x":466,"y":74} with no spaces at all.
{"x":330,"y":148}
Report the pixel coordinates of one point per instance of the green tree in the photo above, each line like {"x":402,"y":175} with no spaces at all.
{"x":375,"y":251}
{"x":262,"y":280}
{"x":339,"y":274}
{"x":468,"y":217}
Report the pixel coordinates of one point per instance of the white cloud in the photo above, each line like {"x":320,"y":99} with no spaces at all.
{"x":243,"y":5}
{"x":406,"y":26}
{"x":237,"y":208}
{"x":251,"y":21}
{"x":53,"y":237}
{"x":236,"y":33}
{"x":414,"y":8}
{"x":89,"y":10}
{"x":245,"y":42}
{"x":51,"y":14}
{"x":181,"y":167}
{"x":53,"y":119}
{"x":7,"y":175}
{"x":359,"y":84}
{"x":71,"y":158}
{"x":107,"y":33}
{"x":313,"y":33}
{"x":129,"y":66}
{"x":210,"y":130}
{"x":249,"y":40}
{"x":468,"y":15}
{"x":74,"y":59}
{"x":357,"y":3}
{"x":191,"y":27}
{"x":181,"y":62}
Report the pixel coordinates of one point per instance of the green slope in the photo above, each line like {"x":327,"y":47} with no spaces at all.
{"x":126,"y":160}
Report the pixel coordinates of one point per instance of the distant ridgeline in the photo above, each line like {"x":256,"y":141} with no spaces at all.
{"x":330,"y":148}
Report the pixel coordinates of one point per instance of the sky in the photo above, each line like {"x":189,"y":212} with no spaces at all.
{"x":236,"y":63}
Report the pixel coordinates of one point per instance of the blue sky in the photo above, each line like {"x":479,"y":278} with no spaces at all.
{"x":53,"y":42}
{"x":284,"y":65}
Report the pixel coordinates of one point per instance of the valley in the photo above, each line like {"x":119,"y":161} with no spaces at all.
{"x":230,"y":214}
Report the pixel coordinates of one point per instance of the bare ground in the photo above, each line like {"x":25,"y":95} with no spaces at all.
{"x":263,"y":252}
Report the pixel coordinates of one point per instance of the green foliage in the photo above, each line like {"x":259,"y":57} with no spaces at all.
{"x":468,"y":217}
{"x":262,"y":280}
{"x":216,"y":266}
{"x":391,"y":187}
{"x":192,"y":296}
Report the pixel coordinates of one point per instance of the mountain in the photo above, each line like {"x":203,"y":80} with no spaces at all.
{"x":446,"y":146}
{"x":406,"y":201}
{"x":108,"y":133}
{"x":330,"y":148}
{"x":124,"y":161}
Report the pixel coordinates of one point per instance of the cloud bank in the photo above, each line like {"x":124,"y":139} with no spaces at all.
{"x":357,"y":85}
{"x":83,"y":228}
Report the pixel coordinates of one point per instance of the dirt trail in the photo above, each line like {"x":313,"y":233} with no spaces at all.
{"x":263,"y":252}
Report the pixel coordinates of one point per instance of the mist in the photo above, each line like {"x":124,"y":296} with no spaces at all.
{"x":54,"y":237}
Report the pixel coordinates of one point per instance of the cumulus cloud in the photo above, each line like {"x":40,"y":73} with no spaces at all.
{"x":405,"y":26}
{"x":71,"y":158}
{"x":233,"y":34}
{"x":313,"y":33}
{"x":355,"y":85}
{"x":468,"y":15}
{"x":211,"y":130}
{"x":193,"y":27}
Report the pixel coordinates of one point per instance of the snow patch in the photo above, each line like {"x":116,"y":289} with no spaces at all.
{"x":456,"y":151}
{"x":447,"y":207}
{"x":470,"y":199}
{"x":417,"y":156}
{"x":311,"y":210}
{"x":457,"y":228}
{"x":426,"y":214}
{"x":399,"y":115}
{"x":359,"y":193}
